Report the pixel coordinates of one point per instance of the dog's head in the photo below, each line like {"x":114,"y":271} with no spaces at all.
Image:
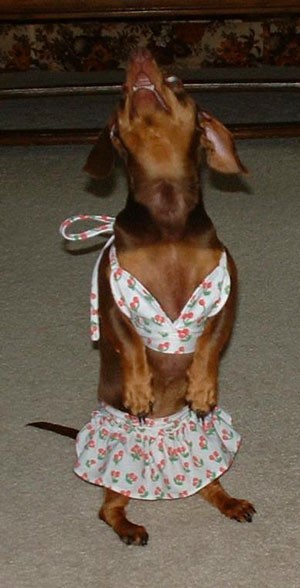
{"x":158,"y":128}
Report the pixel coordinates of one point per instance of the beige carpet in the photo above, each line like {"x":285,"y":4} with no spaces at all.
{"x":50,"y":535}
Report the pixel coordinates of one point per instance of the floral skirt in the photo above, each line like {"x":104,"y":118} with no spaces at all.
{"x":170,"y":457}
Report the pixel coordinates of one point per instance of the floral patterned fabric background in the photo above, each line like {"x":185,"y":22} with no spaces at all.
{"x":92,"y":46}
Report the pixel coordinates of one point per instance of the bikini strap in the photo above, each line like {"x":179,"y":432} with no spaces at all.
{"x":106,"y":226}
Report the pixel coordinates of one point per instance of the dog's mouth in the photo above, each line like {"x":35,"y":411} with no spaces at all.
{"x":145,"y":91}
{"x":144,"y":84}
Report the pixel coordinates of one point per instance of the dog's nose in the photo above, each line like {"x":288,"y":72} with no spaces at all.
{"x":141,"y":55}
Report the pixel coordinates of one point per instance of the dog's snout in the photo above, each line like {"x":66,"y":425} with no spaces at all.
{"x":141,"y":55}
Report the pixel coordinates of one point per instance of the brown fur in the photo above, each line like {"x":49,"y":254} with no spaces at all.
{"x":166,"y":240}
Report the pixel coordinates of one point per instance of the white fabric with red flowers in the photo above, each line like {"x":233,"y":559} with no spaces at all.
{"x":168,"y":458}
{"x":152,"y":323}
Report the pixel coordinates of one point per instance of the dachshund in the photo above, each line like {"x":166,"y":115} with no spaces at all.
{"x":165,"y":242}
{"x":165,"y":239}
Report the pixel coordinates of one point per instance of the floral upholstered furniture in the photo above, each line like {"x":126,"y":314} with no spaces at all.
{"x":95,"y":37}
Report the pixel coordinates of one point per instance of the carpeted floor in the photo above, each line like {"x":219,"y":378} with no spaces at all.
{"x":50,"y":533}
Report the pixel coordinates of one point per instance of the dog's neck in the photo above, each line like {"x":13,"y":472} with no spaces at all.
{"x":172,"y":208}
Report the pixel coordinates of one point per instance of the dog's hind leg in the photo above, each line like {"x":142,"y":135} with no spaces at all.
{"x":233,"y":508}
{"x":113,"y":513}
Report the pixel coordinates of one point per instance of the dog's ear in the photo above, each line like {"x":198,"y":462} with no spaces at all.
{"x":219,"y":144}
{"x":101,"y":159}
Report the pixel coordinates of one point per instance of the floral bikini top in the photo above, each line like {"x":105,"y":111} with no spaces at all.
{"x":151,"y":322}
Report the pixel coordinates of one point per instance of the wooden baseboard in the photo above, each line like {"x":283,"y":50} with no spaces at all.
{"x":250,"y":85}
{"x":45,"y":10}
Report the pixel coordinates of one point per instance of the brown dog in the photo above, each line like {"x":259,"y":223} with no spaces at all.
{"x":165,"y":239}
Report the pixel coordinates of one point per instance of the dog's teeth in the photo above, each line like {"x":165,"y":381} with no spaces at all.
{"x":150,"y":87}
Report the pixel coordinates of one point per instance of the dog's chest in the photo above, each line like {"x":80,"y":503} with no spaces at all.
{"x":170,"y":273}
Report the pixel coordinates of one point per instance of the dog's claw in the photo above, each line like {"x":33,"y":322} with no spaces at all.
{"x":143,"y":415}
{"x":248,"y":516}
{"x":200,"y":414}
{"x":136,"y":540}
{"x":144,"y":540}
{"x":244,"y":512}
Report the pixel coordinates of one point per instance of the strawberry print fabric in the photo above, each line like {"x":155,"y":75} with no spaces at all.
{"x":136,"y":302}
{"x":152,"y":323}
{"x":163,"y":458}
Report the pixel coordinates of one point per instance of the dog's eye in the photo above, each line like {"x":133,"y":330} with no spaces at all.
{"x":174,"y":82}
{"x":172,"y":79}
{"x":176,"y":85}
{"x":114,"y":132}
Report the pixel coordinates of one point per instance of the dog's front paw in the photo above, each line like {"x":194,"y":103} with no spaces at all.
{"x":201,"y":413}
{"x":142,"y":415}
{"x":139,"y":401}
{"x":138,"y":397}
{"x":202,"y":399}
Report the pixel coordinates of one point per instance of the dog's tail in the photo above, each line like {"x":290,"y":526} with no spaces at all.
{"x":55,"y":428}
